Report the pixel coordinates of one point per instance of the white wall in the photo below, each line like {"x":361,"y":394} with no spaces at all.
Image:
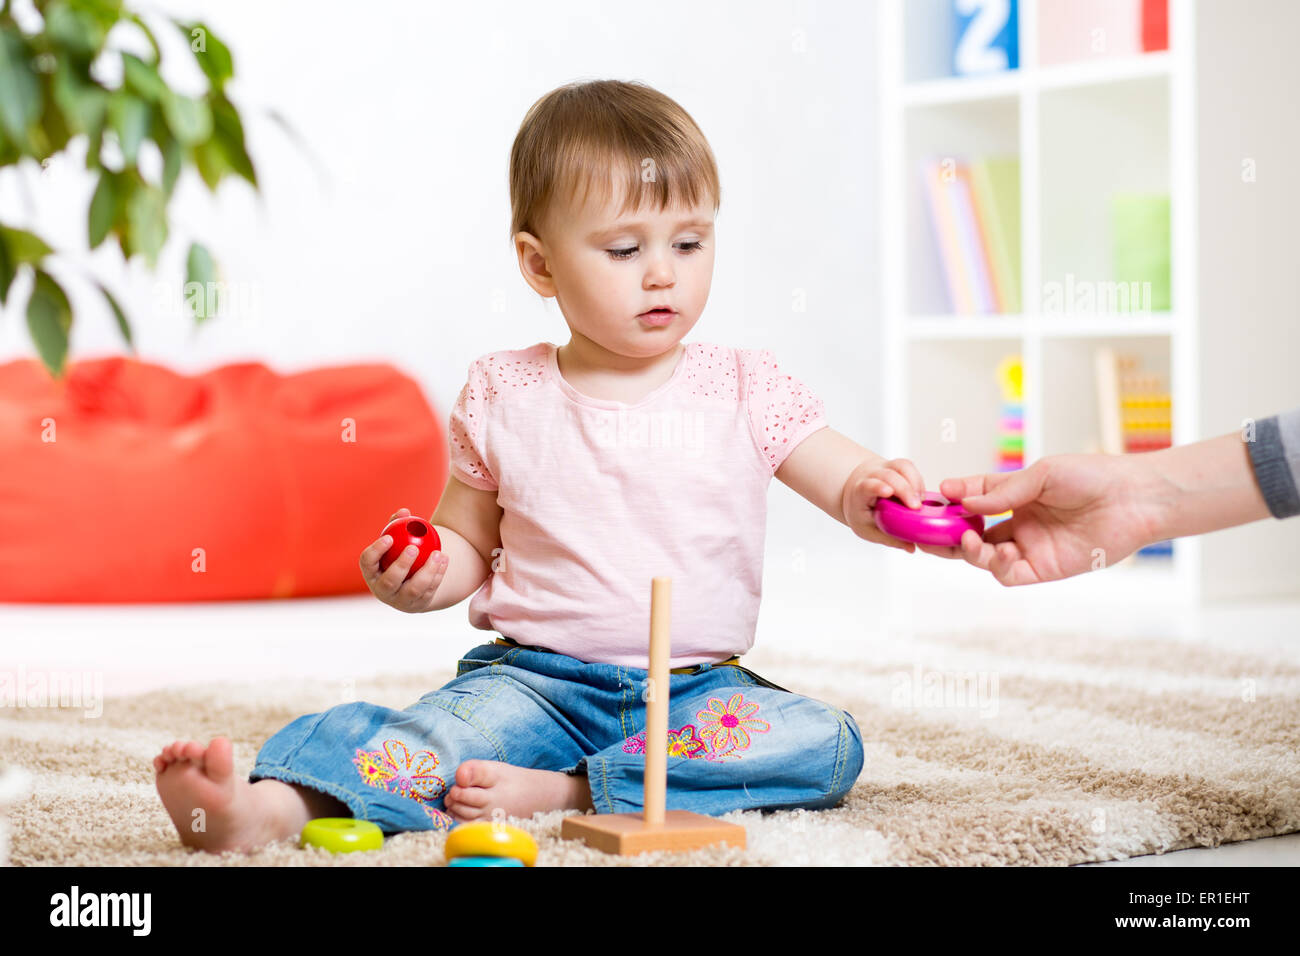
{"x":392,"y":243}
{"x":1247,"y":74}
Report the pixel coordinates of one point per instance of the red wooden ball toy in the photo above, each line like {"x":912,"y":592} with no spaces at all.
{"x":408,"y":530}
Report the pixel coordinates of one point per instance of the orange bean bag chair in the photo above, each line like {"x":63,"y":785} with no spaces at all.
{"x":129,"y":482}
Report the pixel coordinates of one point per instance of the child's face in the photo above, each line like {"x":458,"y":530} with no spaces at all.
{"x":605,"y":271}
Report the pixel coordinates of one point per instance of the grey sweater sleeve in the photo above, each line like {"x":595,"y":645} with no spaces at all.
{"x":1275,"y":455}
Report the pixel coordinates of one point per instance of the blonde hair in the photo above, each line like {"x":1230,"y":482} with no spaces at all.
{"x":586,"y":136}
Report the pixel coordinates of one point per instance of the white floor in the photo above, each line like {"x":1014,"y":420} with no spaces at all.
{"x":819,"y":601}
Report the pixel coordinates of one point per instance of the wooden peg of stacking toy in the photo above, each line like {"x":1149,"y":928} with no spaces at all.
{"x":626,"y":834}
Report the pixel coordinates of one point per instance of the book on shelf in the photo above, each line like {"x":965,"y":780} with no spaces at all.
{"x":1140,"y":251}
{"x":975,"y":219}
{"x":995,"y":183}
{"x":1074,"y":30}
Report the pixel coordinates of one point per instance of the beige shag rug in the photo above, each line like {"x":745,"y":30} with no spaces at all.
{"x":982,"y":748}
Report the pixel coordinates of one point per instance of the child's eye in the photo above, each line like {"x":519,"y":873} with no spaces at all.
{"x":627,"y":253}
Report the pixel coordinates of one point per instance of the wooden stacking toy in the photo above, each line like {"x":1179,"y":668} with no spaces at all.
{"x":626,"y":834}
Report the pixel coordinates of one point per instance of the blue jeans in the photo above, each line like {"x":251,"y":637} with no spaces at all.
{"x":735,"y":740}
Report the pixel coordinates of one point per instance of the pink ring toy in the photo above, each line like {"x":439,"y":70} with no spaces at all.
{"x":937,"y":521}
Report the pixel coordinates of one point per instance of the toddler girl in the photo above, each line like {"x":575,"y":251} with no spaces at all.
{"x":579,"y":473}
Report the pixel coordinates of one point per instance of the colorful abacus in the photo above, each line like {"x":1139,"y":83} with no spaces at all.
{"x":1146,"y":422}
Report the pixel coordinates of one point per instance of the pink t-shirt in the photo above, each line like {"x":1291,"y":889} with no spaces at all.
{"x":600,"y":496}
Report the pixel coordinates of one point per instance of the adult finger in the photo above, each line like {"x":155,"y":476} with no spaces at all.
{"x":975,"y":550}
{"x":957,"y":489}
{"x":1002,"y":531}
{"x":1017,"y":573}
{"x":1009,"y":490}
{"x":1005,"y":563}
{"x":941,"y":550}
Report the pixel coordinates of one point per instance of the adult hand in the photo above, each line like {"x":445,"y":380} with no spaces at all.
{"x":1071,"y":513}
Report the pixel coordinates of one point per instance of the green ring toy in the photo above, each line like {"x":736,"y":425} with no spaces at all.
{"x":341,"y":834}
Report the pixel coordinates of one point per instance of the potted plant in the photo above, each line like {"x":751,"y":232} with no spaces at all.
{"x":51,"y":69}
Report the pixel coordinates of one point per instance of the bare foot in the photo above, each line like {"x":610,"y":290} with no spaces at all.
{"x":211,"y":808}
{"x":483,"y":785}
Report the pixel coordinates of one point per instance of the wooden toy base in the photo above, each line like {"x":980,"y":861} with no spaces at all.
{"x":626,"y":834}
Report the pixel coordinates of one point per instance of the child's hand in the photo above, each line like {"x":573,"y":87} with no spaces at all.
{"x":414,"y":596}
{"x":867,"y":485}
{"x":897,"y":478}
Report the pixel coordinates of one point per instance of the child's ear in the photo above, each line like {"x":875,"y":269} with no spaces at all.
{"x":532,"y":263}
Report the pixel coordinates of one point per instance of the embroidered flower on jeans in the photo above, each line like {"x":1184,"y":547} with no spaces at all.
{"x":685,"y":743}
{"x":726,"y":727}
{"x":441,"y":819}
{"x":398,"y":770}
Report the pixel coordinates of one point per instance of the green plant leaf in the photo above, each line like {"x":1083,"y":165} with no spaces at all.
{"x":129,"y":119}
{"x":173,"y":154}
{"x":210,"y":160}
{"x":74,"y":27}
{"x":24,"y":246}
{"x":188,"y":118}
{"x":103,"y":208}
{"x":143,"y":78}
{"x":212,"y":56}
{"x":20,"y":102}
{"x":8,"y":269}
{"x":146,"y":213}
{"x":199,"y":268}
{"x":94,"y":147}
{"x":83,"y":104}
{"x":53,"y":125}
{"x":123,"y":326}
{"x":49,"y":320}
{"x":229,"y":131}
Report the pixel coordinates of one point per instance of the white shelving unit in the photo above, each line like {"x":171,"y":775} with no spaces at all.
{"x":1081,"y":130}
{"x":1211,"y":122}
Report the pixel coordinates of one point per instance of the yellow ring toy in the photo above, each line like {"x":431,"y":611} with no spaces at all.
{"x":491,"y":839}
{"x":341,"y":834}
